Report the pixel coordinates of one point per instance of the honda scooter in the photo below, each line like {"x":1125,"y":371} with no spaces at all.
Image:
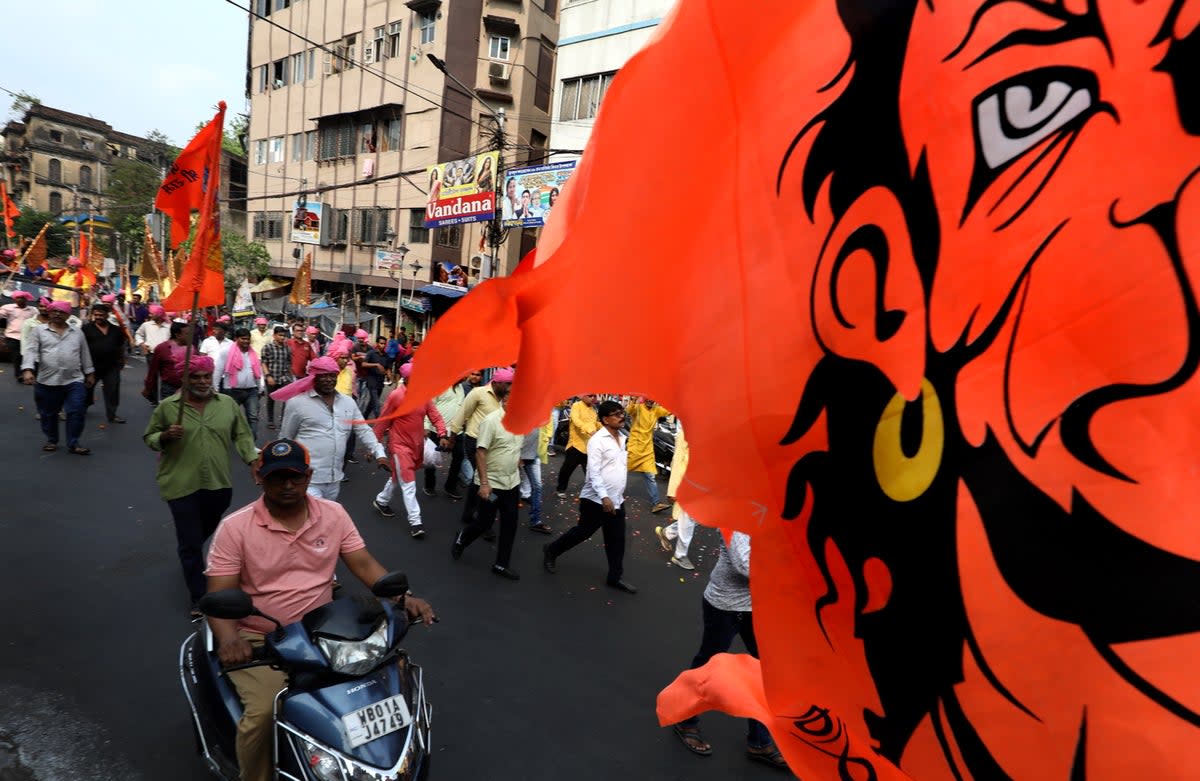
{"x":354,"y":707}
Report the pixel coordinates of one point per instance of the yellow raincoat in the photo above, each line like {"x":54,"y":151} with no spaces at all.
{"x":641,"y":436}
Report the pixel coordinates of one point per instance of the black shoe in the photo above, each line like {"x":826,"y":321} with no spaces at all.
{"x":621,"y":585}
{"x":457,"y":548}
{"x":505,"y":572}
{"x":117,"y":419}
{"x":489,"y":536}
{"x":417,"y":532}
{"x":429,"y":491}
{"x":548,"y":560}
{"x":351,"y":460}
{"x":453,"y":494}
{"x":383,"y":509}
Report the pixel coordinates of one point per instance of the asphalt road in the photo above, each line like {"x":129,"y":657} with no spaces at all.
{"x":551,"y":677}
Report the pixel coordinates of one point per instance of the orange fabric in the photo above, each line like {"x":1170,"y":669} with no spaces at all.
{"x":935,"y":265}
{"x":10,"y":211}
{"x":194,"y":182}
{"x":35,"y":253}
{"x":302,"y":284}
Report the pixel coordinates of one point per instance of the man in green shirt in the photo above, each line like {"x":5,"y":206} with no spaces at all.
{"x":194,"y":475}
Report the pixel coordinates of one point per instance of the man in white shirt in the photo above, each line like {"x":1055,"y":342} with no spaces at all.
{"x":320,"y":418}
{"x":217,"y":347}
{"x":15,"y":315}
{"x":602,"y":499}
{"x":241,"y":374}
{"x":154,"y":331}
{"x":64,"y":372}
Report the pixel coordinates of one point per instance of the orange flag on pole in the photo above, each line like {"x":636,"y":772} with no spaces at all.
{"x":302,"y":285}
{"x":194,"y":182}
{"x":35,"y":254}
{"x":10,"y":210}
{"x":953,"y":249}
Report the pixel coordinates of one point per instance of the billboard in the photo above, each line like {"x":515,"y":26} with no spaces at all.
{"x":530,"y":193}
{"x":307,"y":218}
{"x":388,"y":261}
{"x":462,"y":191}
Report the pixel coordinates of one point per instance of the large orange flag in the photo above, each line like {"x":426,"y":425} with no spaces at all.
{"x":194,"y":182}
{"x":35,"y":254}
{"x":10,"y":211}
{"x":933,"y":329}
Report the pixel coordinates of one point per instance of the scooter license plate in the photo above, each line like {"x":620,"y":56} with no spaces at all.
{"x":377,"y":720}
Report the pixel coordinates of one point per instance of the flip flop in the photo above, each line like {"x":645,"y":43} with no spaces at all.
{"x":768,"y":755}
{"x":49,"y":447}
{"x":692,"y":740}
{"x":79,"y":451}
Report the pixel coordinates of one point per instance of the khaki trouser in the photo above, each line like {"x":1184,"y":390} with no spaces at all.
{"x":257,"y":687}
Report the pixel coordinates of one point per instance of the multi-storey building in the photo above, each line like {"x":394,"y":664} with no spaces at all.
{"x":347,"y":111}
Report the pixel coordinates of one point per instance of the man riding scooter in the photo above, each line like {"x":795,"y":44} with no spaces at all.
{"x":281,"y":550}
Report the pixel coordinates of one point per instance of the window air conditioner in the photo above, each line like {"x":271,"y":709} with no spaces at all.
{"x":499,"y":71}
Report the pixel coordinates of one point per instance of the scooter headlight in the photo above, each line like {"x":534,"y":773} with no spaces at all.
{"x":356,"y":657}
{"x":323,"y":765}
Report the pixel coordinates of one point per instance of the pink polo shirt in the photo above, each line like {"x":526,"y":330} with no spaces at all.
{"x":286,"y":573}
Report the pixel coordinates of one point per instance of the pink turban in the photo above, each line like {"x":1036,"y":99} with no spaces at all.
{"x":73,"y":262}
{"x":201,"y":364}
{"x":361,"y":334}
{"x":260,"y":321}
{"x":224,"y":319}
{"x":312,"y":329}
{"x":108,"y":298}
{"x":60,"y":306}
{"x":324,"y":365}
{"x":406,"y":369}
{"x":19,"y":294}
{"x":337,"y":350}
{"x":43,"y":301}
{"x":157,"y":311}
{"x":502,"y":375}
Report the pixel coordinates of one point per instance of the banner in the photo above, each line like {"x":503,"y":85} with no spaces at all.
{"x":530,"y":193}
{"x":308,"y":217}
{"x":9,"y":211}
{"x":243,"y":302}
{"x":388,"y":261}
{"x":462,"y":191}
{"x":35,"y":254}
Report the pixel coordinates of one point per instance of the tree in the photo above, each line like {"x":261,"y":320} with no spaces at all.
{"x":21,"y":103}
{"x":58,"y":238}
{"x":243,"y":260}
{"x":132,"y":186}
{"x":233,"y":138}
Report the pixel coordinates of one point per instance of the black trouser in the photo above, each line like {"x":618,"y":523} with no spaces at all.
{"x":591,"y":518}
{"x":506,"y":505}
{"x":720,"y":627}
{"x":461,"y":451}
{"x":271,"y":402}
{"x":196,"y":517}
{"x":571,"y":459}
{"x":14,"y":352}
{"x":111,"y":377}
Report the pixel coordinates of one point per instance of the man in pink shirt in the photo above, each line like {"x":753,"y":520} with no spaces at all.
{"x":281,"y":550}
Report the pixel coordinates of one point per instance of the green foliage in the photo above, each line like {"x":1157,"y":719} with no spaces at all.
{"x":131,"y":190}
{"x":58,"y":238}
{"x":234,"y":131}
{"x":243,"y":260}
{"x":22,"y":101}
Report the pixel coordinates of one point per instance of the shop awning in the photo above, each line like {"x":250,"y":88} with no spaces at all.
{"x":440,"y":289}
{"x":270,"y":283}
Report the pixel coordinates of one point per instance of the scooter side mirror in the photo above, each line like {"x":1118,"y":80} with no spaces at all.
{"x":232,"y":603}
{"x":393,"y":584}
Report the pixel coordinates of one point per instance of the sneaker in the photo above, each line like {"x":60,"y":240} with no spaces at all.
{"x":683,"y":562}
{"x":541,"y":528}
{"x":505,"y":572}
{"x":382,"y":509}
{"x":456,"y":550}
{"x":561,"y":494}
{"x":416,"y":532}
{"x":658,"y":508}
{"x":663,"y":539}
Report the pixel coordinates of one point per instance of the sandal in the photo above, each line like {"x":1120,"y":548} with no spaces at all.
{"x":79,"y":451}
{"x":49,"y":447}
{"x":768,"y":755}
{"x":692,"y":739}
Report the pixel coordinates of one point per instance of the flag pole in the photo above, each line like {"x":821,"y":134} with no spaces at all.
{"x":187,"y":356}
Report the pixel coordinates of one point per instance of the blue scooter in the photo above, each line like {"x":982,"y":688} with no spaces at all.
{"x":354,"y":708}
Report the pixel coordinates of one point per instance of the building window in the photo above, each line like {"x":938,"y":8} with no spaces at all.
{"x":371,"y":225}
{"x":581,"y":97}
{"x":545,"y":76}
{"x":264,"y":77}
{"x":550,"y":7}
{"x":262,"y":7}
{"x":298,"y":68}
{"x":310,"y":145}
{"x":56,"y":135}
{"x":85,"y":177}
{"x":392,"y":140}
{"x":277,"y":149}
{"x":393,"y":48}
{"x":56,"y":203}
{"x":379,"y":45}
{"x":312,"y":62}
{"x":297,"y":147}
{"x":417,"y":232}
{"x":55,"y":171}
{"x":282,"y":4}
{"x":498,"y":47}
{"x":537,"y":147}
{"x":336,"y":141}
{"x":366,"y":138}
{"x":450,"y":236}
{"x":349,"y":46}
{"x":260,"y":152}
{"x":279,"y":73}
{"x":87,"y":143}
{"x":85,"y":205}
{"x":268,"y":225}
{"x":428,"y":27}
{"x":339,"y":226}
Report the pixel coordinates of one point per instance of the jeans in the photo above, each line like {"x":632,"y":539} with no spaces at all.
{"x":52,"y":399}
{"x":247,"y":399}
{"x":591,"y":518}
{"x":720,"y":627}
{"x":111,"y":377}
{"x":368,"y":400}
{"x":571,"y":459}
{"x":651,"y":480}
{"x":504,"y":502}
{"x":531,"y":478}
{"x":196,"y":517}
{"x":271,"y":404}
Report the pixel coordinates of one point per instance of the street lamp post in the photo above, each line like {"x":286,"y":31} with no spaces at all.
{"x":397,"y":273}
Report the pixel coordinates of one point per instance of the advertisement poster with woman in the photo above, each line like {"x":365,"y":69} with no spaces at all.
{"x":461,"y":191}
{"x":530,"y":193}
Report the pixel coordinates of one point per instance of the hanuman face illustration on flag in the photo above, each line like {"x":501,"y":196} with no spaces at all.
{"x":1015,"y":530}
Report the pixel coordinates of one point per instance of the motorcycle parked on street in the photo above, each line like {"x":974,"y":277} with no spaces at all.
{"x":354,"y":708}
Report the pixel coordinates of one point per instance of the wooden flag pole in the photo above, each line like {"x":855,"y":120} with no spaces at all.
{"x":187,"y":357}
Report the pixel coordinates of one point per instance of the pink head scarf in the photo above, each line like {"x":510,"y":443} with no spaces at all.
{"x":201,"y":364}
{"x":157,"y":311}
{"x":108,"y":299}
{"x":502,"y":375}
{"x":312,"y":329}
{"x":406,"y":369}
{"x":338,"y":349}
{"x":260,"y":321}
{"x":324,"y":365}
{"x":19,"y":294}
{"x":60,"y":306}
{"x":361,"y":334}
{"x":73,"y":262}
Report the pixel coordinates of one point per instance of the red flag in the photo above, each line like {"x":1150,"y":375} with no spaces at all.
{"x":194,"y":182}
{"x":932,"y":328}
{"x":11,"y":211}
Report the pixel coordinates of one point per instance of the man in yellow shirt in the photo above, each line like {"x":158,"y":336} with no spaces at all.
{"x":583,"y":424}
{"x":643,"y":416}
{"x":478,"y":404}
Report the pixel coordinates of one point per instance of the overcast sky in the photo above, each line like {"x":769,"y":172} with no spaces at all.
{"x":137,"y":66}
